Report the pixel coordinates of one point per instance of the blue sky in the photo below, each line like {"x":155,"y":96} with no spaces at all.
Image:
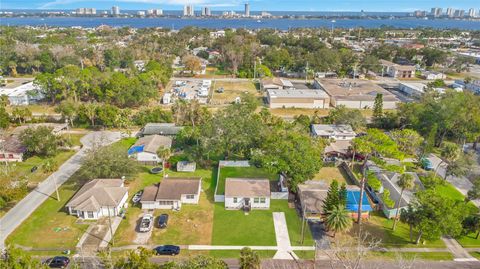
{"x":269,"y":5}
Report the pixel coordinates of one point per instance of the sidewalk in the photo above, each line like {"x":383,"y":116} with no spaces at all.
{"x":459,"y":253}
{"x":284,"y":251}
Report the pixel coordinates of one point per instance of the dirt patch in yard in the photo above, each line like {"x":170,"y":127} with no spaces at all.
{"x":328,"y":174}
{"x":232,"y":90}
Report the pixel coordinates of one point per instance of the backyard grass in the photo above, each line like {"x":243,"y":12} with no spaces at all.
{"x":242,"y":172}
{"x":255,"y":229}
{"x":380,"y":228}
{"x":232,"y":90}
{"x":328,"y":174}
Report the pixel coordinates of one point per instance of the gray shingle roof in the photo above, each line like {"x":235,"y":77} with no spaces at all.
{"x":98,"y":193}
{"x":161,"y":129}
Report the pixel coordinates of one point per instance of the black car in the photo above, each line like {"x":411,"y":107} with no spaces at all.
{"x":163,"y":221}
{"x":58,"y":262}
{"x":167,"y":250}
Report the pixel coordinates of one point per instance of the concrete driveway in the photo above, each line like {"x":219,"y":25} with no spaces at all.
{"x":23,"y":209}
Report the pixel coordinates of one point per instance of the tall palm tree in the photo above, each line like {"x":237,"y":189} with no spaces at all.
{"x":338,"y":220}
{"x":406,"y":182}
{"x":50,"y":166}
{"x":450,"y":152}
{"x":164,"y":153}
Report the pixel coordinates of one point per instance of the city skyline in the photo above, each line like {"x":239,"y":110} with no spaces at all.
{"x":256,"y":5}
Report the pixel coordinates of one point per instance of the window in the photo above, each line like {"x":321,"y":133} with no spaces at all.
{"x":2,"y":156}
{"x":190,"y":196}
{"x":74,"y":212}
{"x":10,"y":156}
{"x":165,"y":202}
{"x":235,"y":199}
{"x":263,"y":200}
{"x":90,"y":214}
{"x":256,"y":200}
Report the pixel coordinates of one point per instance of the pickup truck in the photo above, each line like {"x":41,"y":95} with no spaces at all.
{"x":146,"y":223}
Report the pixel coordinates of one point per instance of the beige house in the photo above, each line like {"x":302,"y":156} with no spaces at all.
{"x":397,"y":71}
{"x":247,"y":193}
{"x":171,"y":193}
{"x":11,"y":149}
{"x":98,"y":198}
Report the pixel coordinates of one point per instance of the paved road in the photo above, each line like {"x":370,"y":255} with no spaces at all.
{"x":462,"y":184}
{"x":15,"y":216}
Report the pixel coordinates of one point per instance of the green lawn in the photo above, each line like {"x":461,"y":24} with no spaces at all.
{"x":475,"y":254}
{"x":242,"y":172}
{"x":263,"y":254}
{"x":255,"y":229}
{"x":469,"y":241}
{"x":430,"y":256}
{"x":380,"y":228}
{"x":450,"y":192}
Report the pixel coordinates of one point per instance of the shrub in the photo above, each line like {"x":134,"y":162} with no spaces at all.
{"x":387,"y":200}
{"x":373,"y":181}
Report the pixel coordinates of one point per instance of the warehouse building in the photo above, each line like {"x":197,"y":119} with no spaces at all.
{"x":297,"y":99}
{"x":354,"y":93}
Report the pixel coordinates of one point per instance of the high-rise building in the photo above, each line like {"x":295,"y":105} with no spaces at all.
{"x":206,"y":11}
{"x":472,"y":13}
{"x":450,"y":12}
{"x":459,"y":13}
{"x":158,"y":12}
{"x":86,"y":11}
{"x":115,"y":11}
{"x":188,"y":10}
{"x":247,"y":10}
{"x":420,"y":13}
{"x":436,"y":12}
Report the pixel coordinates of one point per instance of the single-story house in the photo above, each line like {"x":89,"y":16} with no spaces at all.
{"x":57,"y":128}
{"x":333,"y":131}
{"x":171,"y":193}
{"x":339,"y":148}
{"x":432,"y":75}
{"x":247,"y":193}
{"x":24,"y":94}
{"x":276,"y":84}
{"x":167,"y":129}
{"x":186,"y":166}
{"x":145,"y":149}
{"x":300,"y":98}
{"x":98,"y":198}
{"x":312,"y":195}
{"x":11,"y":149}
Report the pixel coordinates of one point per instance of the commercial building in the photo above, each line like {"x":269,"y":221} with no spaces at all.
{"x":397,"y":71}
{"x":115,"y":11}
{"x":472,"y":13}
{"x":450,"y":11}
{"x":354,"y":93}
{"x":247,"y":10}
{"x":436,"y":12}
{"x":206,"y":12}
{"x":412,"y":89}
{"x":188,"y":11}
{"x":297,"y":99}
{"x":459,"y":13}
{"x":24,"y":94}
{"x":86,"y":11}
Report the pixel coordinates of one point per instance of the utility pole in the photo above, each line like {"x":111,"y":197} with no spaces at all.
{"x":303,"y":224}
{"x":56,"y":187}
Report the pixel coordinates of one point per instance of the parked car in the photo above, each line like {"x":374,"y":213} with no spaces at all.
{"x":426,"y":164}
{"x":136,"y":198}
{"x":57,"y":262}
{"x":167,"y":250}
{"x":146,"y":223}
{"x":220,"y":90}
{"x":163,"y":221}
{"x":156,"y":170}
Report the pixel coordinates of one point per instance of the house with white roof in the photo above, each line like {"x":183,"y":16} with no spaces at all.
{"x":412,"y":89}
{"x":24,"y":94}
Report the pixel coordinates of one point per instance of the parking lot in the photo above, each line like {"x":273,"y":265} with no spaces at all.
{"x":189,"y":90}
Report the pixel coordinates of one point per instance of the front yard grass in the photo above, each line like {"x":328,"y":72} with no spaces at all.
{"x":380,"y":228}
{"x":469,"y":241}
{"x":191,"y":225}
{"x":242,"y":172}
{"x":428,"y":256}
{"x":233,"y":227}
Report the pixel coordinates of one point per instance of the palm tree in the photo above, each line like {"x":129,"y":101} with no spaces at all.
{"x":450,"y":152}
{"x":406,"y":182}
{"x":338,"y":220}
{"x":249,"y":259}
{"x":164,"y":153}
{"x":50,"y":166}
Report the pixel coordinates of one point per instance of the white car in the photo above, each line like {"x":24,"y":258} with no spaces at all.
{"x":146,"y":223}
{"x":136,"y":198}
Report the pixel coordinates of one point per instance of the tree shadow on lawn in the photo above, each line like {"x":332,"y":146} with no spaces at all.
{"x":387,"y":237}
